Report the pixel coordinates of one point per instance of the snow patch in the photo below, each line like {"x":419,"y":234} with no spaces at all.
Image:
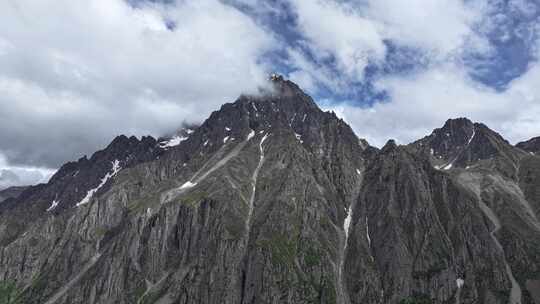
{"x":53,"y":205}
{"x":347,"y":222}
{"x":225,"y":139}
{"x":115,"y":169}
{"x":292,"y":120}
{"x":299,"y":137}
{"x":175,"y":141}
{"x":205,"y":143}
{"x":460,"y":282}
{"x":227,"y":129}
{"x":189,"y":131}
{"x":472,"y":136}
{"x":367,"y":232}
{"x":188,"y":185}
{"x":255,"y":108}
{"x":262,"y":141}
{"x":448,"y":167}
{"x":254,"y":183}
{"x":358,"y":172}
{"x":304,"y":118}
{"x":250,"y":135}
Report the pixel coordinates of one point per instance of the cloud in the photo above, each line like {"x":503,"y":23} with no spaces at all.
{"x":439,"y":27}
{"x":333,"y":29}
{"x":461,"y":52}
{"x":423,"y":101}
{"x":351,"y":36}
{"x":73,"y":74}
{"x":21,"y":176}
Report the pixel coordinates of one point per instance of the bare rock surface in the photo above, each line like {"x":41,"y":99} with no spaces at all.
{"x":272,"y":200}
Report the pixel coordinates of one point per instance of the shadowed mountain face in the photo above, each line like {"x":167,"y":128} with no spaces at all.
{"x":272,"y":200}
{"x":531,"y":145}
{"x":11,"y":192}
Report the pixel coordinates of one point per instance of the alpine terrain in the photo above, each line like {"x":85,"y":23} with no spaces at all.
{"x":272,"y":200}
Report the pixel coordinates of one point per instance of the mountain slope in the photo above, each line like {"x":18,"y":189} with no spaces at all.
{"x":262,"y":187}
{"x":272,"y":200}
{"x":11,"y":192}
{"x":451,"y":218}
{"x":532,"y":145}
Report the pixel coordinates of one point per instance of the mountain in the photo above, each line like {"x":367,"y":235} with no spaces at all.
{"x":272,"y":200}
{"x":11,"y":192}
{"x":450,"y":218}
{"x":531,"y":145}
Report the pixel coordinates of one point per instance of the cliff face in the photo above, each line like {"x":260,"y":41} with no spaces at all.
{"x":272,"y":200}
{"x":466,"y":233}
{"x":532,"y":145}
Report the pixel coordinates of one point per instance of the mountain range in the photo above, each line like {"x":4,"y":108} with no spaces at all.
{"x":272,"y":200}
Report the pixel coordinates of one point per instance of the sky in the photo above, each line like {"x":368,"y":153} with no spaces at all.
{"x":74,"y":74}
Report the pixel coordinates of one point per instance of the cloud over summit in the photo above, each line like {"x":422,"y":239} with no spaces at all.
{"x":75,"y":73}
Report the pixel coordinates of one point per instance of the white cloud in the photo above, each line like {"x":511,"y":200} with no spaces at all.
{"x":421,"y":102}
{"x":354,"y":34}
{"x":75,"y":73}
{"x":21,"y":176}
{"x":439,"y":27}
{"x":336,"y":30}
{"x":443,"y":32}
{"x":83,"y":71}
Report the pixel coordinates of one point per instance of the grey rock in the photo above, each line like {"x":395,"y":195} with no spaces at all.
{"x":11,"y":192}
{"x":272,"y":200}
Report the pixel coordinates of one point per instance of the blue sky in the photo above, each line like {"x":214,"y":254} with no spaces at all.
{"x":510,"y":28}
{"x":74,"y":74}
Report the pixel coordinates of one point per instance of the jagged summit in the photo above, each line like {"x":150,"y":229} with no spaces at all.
{"x":460,"y":143}
{"x":389,"y":146}
{"x":532,"y":145}
{"x":272,"y":200}
{"x":455,"y":134}
{"x":264,"y":171}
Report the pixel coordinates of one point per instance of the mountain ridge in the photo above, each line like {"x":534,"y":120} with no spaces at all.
{"x":272,"y":200}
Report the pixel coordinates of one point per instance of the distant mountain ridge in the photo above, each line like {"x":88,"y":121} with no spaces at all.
{"x":272,"y":200}
{"x":11,"y":192}
{"x":532,"y":145}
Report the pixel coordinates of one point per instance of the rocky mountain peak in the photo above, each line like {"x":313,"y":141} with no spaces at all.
{"x":284,"y":108}
{"x":462,"y":143}
{"x":532,"y":145}
{"x":273,"y":200}
{"x":389,"y":147}
{"x":454,"y":134}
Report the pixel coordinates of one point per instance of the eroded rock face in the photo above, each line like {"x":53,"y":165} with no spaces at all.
{"x":272,"y":200}
{"x":532,"y":145}
{"x":420,"y":231}
{"x":248,"y":209}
